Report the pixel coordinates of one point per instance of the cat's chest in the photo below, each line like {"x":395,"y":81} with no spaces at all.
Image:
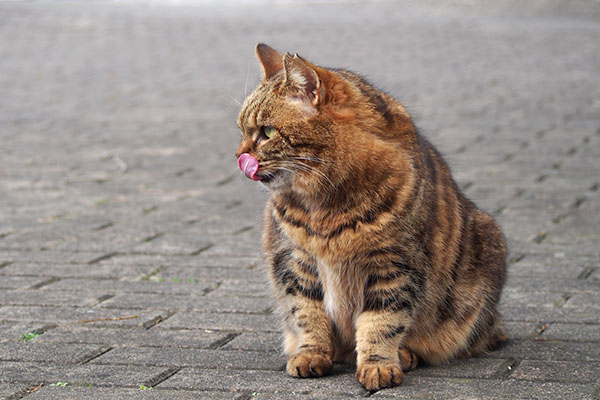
{"x":342,"y":296}
{"x":336,"y":249}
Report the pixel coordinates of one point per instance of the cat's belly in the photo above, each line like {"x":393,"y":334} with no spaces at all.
{"x":342,"y":300}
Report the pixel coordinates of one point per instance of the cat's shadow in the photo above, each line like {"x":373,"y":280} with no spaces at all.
{"x":342,"y":369}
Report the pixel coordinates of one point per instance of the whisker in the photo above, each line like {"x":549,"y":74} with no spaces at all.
{"x":315,"y":159}
{"x":293,"y":165}
{"x":285,"y":169}
{"x":236,"y":101}
{"x":247,"y":77}
{"x":330,"y":188}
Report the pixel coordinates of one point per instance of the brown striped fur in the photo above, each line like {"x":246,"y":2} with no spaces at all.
{"x":374,"y":253}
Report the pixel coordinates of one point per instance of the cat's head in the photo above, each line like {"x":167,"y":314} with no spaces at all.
{"x":289,"y":140}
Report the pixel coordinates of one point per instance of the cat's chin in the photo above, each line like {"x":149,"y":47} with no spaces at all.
{"x":278,"y":182}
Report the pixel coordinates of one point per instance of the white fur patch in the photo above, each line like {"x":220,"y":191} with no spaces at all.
{"x":340,"y":299}
{"x":297,"y":77}
{"x":305,"y":106}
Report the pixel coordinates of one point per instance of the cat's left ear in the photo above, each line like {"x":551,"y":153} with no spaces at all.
{"x":303,"y":79}
{"x":270,"y":60}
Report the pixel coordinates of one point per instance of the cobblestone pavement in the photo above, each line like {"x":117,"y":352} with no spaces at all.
{"x":130,"y":244}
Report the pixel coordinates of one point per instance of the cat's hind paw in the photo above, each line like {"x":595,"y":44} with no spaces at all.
{"x":379,"y":376}
{"x":408,"y":359}
{"x":309,"y":365}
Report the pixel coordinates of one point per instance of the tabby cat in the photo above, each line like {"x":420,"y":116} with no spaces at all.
{"x":375,"y":255}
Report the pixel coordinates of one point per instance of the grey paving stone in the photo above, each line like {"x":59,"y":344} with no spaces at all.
{"x":522,"y":229}
{"x":200,"y":261}
{"x":9,"y":389}
{"x":549,"y":265}
{"x":531,"y":313}
{"x":255,"y":341}
{"x":211,"y":273}
{"x":243,"y":288}
{"x":103,"y":393}
{"x":171,"y":243}
{"x":15,"y":282}
{"x":96,"y":317}
{"x":558,"y":371}
{"x":220,"y":225}
{"x":179,"y":286}
{"x":521,"y":330}
{"x":262,"y":381}
{"x":471,"y":368}
{"x":155,"y":260}
{"x":11,"y":332}
{"x":58,"y":353}
{"x":235,"y":248}
{"x":48,"y":257}
{"x":572,"y":248}
{"x":190,"y":303}
{"x":584,"y":301}
{"x":48,"y":298}
{"x":545,"y":285}
{"x":460,"y":388}
{"x":236,"y":322}
{"x":548,"y":350}
{"x":190,"y":357}
{"x":97,"y":375}
{"x":515,"y":298}
{"x":560,"y":331}
{"x":65,"y":270}
{"x":283,"y":395}
{"x":136,"y":337}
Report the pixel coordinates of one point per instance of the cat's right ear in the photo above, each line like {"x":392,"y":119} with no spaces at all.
{"x":270,"y":60}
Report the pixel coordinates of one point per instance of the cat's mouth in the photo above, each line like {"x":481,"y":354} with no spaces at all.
{"x":274,"y":178}
{"x":249,"y":166}
{"x":266,"y":178}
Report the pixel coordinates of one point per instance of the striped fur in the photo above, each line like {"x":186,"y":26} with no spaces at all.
{"x":375,"y":255}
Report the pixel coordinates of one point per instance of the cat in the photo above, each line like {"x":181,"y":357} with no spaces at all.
{"x":375,"y":255}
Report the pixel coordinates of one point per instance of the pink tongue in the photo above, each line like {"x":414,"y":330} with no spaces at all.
{"x":249,"y":165}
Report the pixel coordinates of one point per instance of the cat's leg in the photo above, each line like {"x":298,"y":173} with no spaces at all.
{"x":308,"y":331}
{"x":381,"y":328}
{"x":378,"y":337}
{"x":312,"y":337}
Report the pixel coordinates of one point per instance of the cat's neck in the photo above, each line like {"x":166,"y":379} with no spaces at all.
{"x":337,"y":196}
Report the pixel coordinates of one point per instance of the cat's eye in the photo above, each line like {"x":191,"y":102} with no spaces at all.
{"x":268,"y":131}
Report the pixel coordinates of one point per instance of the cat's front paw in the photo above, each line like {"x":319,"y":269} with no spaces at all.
{"x":309,"y":365}
{"x":379,"y":376}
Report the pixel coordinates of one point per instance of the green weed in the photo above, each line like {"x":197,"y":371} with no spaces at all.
{"x":26,"y":337}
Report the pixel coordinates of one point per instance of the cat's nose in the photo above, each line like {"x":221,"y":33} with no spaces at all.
{"x":244,"y":147}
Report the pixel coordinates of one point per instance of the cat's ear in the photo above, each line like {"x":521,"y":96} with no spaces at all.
{"x":300,"y":75}
{"x":270,"y":60}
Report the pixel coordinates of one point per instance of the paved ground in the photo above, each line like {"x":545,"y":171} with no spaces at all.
{"x":130,"y":245}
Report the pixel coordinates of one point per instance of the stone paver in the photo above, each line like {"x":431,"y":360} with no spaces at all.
{"x":130,"y":245}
